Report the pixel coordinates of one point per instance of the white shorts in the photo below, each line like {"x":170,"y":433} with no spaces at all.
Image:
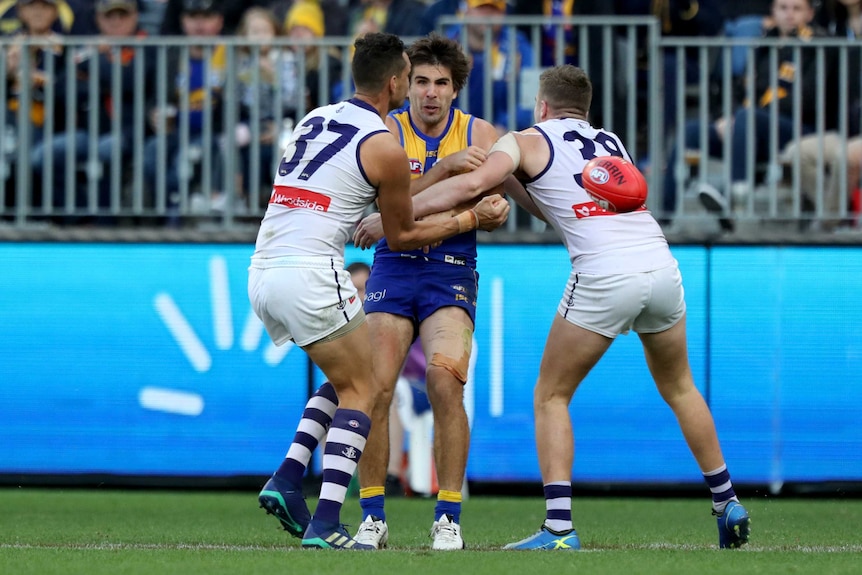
{"x":610,"y":305}
{"x":301,"y":298}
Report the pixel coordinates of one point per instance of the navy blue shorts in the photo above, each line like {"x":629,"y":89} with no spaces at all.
{"x":415,"y":288}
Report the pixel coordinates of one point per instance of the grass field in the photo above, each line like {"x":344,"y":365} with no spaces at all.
{"x":113,"y":532}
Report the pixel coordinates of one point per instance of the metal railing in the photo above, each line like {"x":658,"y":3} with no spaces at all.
{"x":178,"y":166}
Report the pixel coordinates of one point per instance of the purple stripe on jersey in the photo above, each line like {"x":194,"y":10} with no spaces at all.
{"x":550,"y":158}
{"x":362,"y":104}
{"x":341,"y":301}
{"x":470,"y":130}
{"x":359,"y":162}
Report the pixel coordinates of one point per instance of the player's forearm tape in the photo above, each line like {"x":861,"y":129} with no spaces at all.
{"x":509,"y":145}
{"x":467,"y":220}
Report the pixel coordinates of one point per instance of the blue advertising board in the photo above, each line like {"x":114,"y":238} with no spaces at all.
{"x":147,"y":360}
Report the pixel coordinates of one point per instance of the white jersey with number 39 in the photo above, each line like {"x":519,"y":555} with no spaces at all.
{"x":588,"y":231}
{"x":320,"y":190}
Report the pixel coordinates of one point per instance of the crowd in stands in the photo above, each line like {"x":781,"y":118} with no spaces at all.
{"x":271,"y":93}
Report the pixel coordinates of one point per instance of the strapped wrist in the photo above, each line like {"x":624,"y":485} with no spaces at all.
{"x":468,"y":220}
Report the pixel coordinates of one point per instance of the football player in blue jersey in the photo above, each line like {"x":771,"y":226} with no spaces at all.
{"x":429,"y":293}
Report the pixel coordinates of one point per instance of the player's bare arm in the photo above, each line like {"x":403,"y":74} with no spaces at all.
{"x":484,"y":135}
{"x":370,"y":230}
{"x":380,"y":155}
{"x":524,"y":154}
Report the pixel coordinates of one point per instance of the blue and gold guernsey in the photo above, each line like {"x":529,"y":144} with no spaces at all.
{"x":423,"y":151}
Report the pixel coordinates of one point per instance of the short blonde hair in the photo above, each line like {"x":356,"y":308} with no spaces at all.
{"x":566,"y":87}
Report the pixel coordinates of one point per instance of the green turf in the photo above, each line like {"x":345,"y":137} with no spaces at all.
{"x":135,"y":532}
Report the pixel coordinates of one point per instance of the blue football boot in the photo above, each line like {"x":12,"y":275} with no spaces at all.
{"x":288,"y":505}
{"x":734,"y":526}
{"x":546,"y":539}
{"x":322,"y":536}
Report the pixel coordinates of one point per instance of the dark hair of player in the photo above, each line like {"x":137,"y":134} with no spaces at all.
{"x":436,"y":50}
{"x":376,"y":59}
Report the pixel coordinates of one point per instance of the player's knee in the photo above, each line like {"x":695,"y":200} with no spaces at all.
{"x":547,"y":392}
{"x":456,"y":368}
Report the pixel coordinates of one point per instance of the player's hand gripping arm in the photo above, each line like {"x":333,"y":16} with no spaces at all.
{"x":386,"y":166}
{"x":470,"y":158}
{"x":370,"y":229}
{"x":484,"y":135}
{"x":503,"y":160}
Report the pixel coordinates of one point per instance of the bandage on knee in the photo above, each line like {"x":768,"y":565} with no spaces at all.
{"x":458,"y":368}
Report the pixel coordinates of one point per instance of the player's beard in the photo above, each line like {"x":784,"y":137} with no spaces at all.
{"x":430,"y":122}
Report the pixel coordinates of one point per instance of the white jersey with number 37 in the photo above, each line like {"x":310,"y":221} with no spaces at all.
{"x":320,"y":190}
{"x":598,"y":241}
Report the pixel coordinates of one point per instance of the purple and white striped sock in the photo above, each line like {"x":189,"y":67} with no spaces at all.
{"x":344,"y":446}
{"x":721,"y":487}
{"x":558,"y":506}
{"x":312,"y":428}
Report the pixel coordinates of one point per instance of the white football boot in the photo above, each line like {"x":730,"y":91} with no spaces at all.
{"x":446,"y":534}
{"x":373,"y":531}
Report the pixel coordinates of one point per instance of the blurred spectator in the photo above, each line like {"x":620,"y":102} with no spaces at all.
{"x":73,"y":17}
{"x":678,"y":18}
{"x":34,"y":69}
{"x":792,"y":18}
{"x":304,"y":22}
{"x":437,"y":9}
{"x":842,"y":18}
{"x":503,"y":56}
{"x":274,"y":97}
{"x":114,"y":19}
{"x":336,"y":13}
{"x":399,"y":17}
{"x":832,"y":148}
{"x":733,"y":9}
{"x":554,"y":8}
{"x":201,"y":19}
{"x":598,"y":51}
{"x":232,"y":10}
{"x":37,"y":19}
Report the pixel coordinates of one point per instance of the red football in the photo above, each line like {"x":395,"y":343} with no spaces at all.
{"x":614,"y":184}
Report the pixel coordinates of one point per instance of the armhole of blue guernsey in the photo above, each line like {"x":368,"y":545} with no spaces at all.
{"x":470,"y":130}
{"x":400,"y":131}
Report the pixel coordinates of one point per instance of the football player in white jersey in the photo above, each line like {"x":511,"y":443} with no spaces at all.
{"x":623,"y":278}
{"x":340,"y":159}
